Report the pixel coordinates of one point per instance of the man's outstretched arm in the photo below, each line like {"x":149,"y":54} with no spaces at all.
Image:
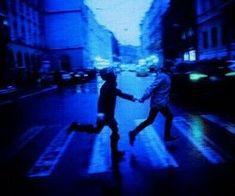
{"x":125,"y":95}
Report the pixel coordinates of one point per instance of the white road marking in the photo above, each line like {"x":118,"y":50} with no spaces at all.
{"x":46,"y":163}
{"x":230,"y":127}
{"x":100,"y":158}
{"x":155,"y":148}
{"x":195,"y":134}
{"x":20,"y":143}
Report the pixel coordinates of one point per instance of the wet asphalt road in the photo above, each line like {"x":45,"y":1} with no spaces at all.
{"x":38,"y":156}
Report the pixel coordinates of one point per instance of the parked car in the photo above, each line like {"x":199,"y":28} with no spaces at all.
{"x":208,"y":77}
{"x":79,"y":77}
{"x":131,"y":67}
{"x":142,"y":71}
{"x":65,"y":78}
{"x":91,"y":73}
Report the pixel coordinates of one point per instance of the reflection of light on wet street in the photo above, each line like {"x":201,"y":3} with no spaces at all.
{"x":155,"y":148}
{"x":197,"y":129}
{"x":100,"y":157}
{"x":221,"y":122}
{"x":48,"y":160}
{"x":90,"y":87}
{"x":193,"y":130}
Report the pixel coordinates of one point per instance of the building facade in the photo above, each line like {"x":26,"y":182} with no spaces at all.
{"x":4,"y":39}
{"x":151,"y":29}
{"x":26,"y":45}
{"x":99,"y":42}
{"x":66,"y":34}
{"x":216,"y":29}
{"x":49,"y":35}
{"x":179,"y":31}
{"x":129,"y":54}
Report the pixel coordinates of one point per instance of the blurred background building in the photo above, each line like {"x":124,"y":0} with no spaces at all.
{"x":188,"y":30}
{"x":151,"y":29}
{"x":42,"y":36}
{"x":215,"y":29}
{"x":46,"y":35}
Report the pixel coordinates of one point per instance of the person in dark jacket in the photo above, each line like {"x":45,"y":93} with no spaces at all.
{"x":106,"y":109}
{"x":158,"y":92}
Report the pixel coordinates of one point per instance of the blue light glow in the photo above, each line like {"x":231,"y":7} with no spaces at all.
{"x":197,"y":76}
{"x":194,"y":130}
{"x":230,"y":74}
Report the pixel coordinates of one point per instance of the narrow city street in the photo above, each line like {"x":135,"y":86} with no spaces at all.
{"x":40,"y":157}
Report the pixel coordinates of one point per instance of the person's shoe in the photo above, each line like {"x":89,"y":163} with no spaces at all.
{"x":170,"y":138}
{"x":131,"y":138}
{"x":72,"y":127}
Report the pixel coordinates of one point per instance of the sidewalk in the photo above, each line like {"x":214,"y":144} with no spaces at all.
{"x":10,"y":94}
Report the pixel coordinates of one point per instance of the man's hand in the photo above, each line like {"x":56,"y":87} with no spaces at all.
{"x":135,"y":99}
{"x":141,"y":100}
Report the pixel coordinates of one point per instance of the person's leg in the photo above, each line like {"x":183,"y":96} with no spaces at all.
{"x":88,"y":128}
{"x":151,"y":117}
{"x":114,"y":138}
{"x":168,"y":123}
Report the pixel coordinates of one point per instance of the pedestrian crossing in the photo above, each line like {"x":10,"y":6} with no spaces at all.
{"x":230,"y":127}
{"x":21,"y":142}
{"x":100,"y":158}
{"x":194,"y":132}
{"x":155,"y":148}
{"x":149,"y":147}
{"x":51,"y":156}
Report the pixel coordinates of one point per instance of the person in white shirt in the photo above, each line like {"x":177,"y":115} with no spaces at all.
{"x":158,"y":92}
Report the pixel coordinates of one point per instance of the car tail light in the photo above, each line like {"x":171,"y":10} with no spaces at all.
{"x":197,"y":76}
{"x":230,"y":73}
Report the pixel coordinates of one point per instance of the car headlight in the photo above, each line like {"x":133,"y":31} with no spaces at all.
{"x":197,"y":76}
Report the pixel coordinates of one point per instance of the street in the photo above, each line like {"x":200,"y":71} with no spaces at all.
{"x":39,"y":156}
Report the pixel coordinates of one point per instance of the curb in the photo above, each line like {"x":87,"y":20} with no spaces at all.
{"x":28,"y":95}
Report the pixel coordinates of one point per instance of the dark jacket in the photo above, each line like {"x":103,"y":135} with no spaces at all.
{"x":107,"y":98}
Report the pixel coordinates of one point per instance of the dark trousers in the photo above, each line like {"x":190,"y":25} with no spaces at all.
{"x":151,"y":117}
{"x":112,"y":124}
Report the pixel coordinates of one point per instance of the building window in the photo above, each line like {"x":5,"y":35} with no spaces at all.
{"x":214,"y":37}
{"x":3,"y":5}
{"x":205,"y":39}
{"x":13,"y":6}
{"x":23,"y":33}
{"x":21,"y":6}
{"x":19,"y":59}
{"x":15,"y":30}
{"x":65,"y":63}
{"x":190,"y":55}
{"x":11,"y":58}
{"x":224,"y":35}
{"x":27,"y":61}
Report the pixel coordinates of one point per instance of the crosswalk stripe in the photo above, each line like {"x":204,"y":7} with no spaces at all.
{"x":196,"y":136}
{"x":155,"y":148}
{"x":220,"y":122}
{"x":51,"y":156}
{"x":20,"y":143}
{"x":100,"y":157}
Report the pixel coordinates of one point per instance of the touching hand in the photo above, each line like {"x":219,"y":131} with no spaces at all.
{"x":135,"y":99}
